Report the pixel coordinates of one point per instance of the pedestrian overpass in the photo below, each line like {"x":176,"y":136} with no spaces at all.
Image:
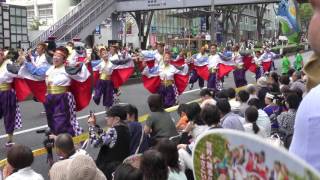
{"x":82,"y":20}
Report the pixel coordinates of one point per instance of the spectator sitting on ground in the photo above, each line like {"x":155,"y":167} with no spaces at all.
{"x":115,"y":143}
{"x":243,"y":97}
{"x":223,"y":94}
{"x":183,"y":121}
{"x":81,"y":167}
{"x":286,"y":119}
{"x":273,"y":82}
{"x":207,"y":97}
{"x":235,"y":105}
{"x":284,"y":80}
{"x":252,"y":90}
{"x":263,"y":118}
{"x":159,"y":123}
{"x":228,"y":120}
{"x":251,"y":115}
{"x":153,"y":166}
{"x":20,"y":158}
{"x":127,"y":172}
{"x":65,"y":148}
{"x":169,"y":151}
{"x":272,"y":107}
{"x":138,"y":140}
{"x":211,"y":116}
{"x":305,"y":142}
{"x":297,"y":82}
{"x":196,"y":125}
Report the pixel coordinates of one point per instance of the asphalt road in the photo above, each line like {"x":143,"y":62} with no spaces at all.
{"x":133,"y":94}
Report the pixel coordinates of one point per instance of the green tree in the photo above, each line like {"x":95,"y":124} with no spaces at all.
{"x":35,"y":24}
{"x":306,"y":13}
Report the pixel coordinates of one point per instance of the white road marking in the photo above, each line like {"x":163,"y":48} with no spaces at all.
{"x":46,"y":126}
{"x":78,"y":118}
{"x":190,"y":91}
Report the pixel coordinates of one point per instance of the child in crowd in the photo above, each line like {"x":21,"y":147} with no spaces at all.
{"x":183,"y":121}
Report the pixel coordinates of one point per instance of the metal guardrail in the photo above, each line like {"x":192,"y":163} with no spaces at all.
{"x":83,"y":5}
{"x":95,"y":13}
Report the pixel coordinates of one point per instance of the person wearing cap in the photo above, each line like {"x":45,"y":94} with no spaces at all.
{"x":239,"y":73}
{"x":200,"y":71}
{"x":263,"y":89}
{"x":114,"y":143}
{"x":81,"y":167}
{"x":9,"y":108}
{"x":271,"y":107}
{"x":305,"y":142}
{"x":167,"y":80}
{"x":105,"y":69}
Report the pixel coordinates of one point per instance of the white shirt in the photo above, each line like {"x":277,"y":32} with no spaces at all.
{"x":159,"y":58}
{"x":59,"y":76}
{"x":237,"y":58}
{"x":165,"y":72}
{"x":264,"y":121}
{"x":305,"y":142}
{"x":40,"y":61}
{"x":25,"y":174}
{"x":73,"y":57}
{"x":248,"y":128}
{"x":213,"y":61}
{"x":201,"y":60}
{"x":5,"y":75}
{"x":235,"y":105}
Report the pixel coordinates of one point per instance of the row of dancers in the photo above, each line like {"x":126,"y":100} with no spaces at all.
{"x":63,"y":82}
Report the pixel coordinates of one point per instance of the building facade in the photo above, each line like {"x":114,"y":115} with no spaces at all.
{"x":13,"y":26}
{"x":46,"y":12}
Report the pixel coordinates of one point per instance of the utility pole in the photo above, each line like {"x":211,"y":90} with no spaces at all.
{"x":213,"y":23}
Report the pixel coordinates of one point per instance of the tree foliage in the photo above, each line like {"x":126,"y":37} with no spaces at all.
{"x":306,"y":13}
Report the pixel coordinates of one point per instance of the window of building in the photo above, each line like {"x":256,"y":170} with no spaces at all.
{"x":13,"y":29}
{"x":24,"y":12}
{"x":12,"y":11}
{"x":12,"y":20}
{"x":18,"y":12}
{"x":246,"y":19}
